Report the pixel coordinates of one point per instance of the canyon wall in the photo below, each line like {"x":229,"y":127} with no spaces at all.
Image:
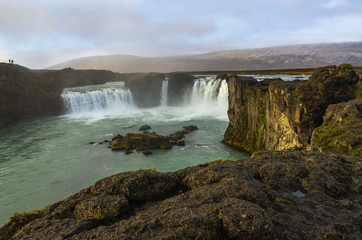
{"x":278,"y":115}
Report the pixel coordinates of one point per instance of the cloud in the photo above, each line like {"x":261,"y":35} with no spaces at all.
{"x":54,"y":29}
{"x":334,"y":3}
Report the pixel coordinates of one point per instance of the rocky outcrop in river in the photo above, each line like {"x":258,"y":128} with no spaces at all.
{"x":272,"y":195}
{"x":278,"y":115}
{"x":149,"y":140}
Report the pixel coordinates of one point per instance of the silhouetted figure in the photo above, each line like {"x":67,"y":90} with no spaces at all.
{"x":9,"y":61}
{"x":12,"y":61}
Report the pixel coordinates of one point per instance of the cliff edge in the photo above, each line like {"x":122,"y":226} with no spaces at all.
{"x":278,"y":115}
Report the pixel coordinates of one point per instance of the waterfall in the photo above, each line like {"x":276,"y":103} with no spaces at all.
{"x":208,"y":90}
{"x":210,"y":96}
{"x":164,"y":93}
{"x":222,"y":97}
{"x":78,"y":100}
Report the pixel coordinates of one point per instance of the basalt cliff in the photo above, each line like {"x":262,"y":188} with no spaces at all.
{"x":279,"y":115}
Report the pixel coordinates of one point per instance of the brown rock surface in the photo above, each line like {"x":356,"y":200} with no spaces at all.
{"x":341,"y":131}
{"x":272,"y":195}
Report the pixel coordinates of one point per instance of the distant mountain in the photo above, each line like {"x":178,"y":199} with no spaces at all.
{"x":281,"y":57}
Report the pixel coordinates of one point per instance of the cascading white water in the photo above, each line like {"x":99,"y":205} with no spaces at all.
{"x":222,"y":97}
{"x":97,"y":98}
{"x":210,"y":96}
{"x":164,"y":92}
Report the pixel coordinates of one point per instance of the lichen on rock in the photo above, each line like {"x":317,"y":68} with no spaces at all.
{"x":341,"y":131}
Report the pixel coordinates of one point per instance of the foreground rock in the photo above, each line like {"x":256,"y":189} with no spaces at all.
{"x":272,"y":195}
{"x":341,"y":131}
{"x":149,"y":140}
{"x":277,"y":115}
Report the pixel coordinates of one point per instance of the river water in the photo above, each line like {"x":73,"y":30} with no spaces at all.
{"x":47,"y":159}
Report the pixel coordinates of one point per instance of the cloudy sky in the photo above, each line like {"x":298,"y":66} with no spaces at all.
{"x":40,"y":33}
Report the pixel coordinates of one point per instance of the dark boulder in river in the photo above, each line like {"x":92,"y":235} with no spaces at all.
{"x":272,"y":195}
{"x":145,"y":127}
{"x":149,"y":140}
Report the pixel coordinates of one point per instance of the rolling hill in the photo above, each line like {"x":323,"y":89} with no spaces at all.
{"x":282,"y":57}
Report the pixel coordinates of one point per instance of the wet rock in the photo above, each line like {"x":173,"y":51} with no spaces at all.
{"x":146,"y":152}
{"x":190,"y":128}
{"x":128,"y":152}
{"x":139,"y":141}
{"x":247,"y":199}
{"x":144,"y":127}
{"x":181,"y":143}
{"x":167,"y":145}
{"x":145,"y":141}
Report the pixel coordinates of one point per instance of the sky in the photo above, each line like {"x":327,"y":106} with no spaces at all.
{"x":41,"y":33}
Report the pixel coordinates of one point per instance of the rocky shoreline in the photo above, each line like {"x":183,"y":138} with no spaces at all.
{"x":272,"y":195}
{"x":303,"y":180}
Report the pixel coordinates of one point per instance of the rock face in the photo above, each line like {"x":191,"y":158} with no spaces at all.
{"x":277,"y":115}
{"x":272,"y":195}
{"x":179,"y":86}
{"x":27,"y":93}
{"x":341,"y":131}
{"x":146,"y":88}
